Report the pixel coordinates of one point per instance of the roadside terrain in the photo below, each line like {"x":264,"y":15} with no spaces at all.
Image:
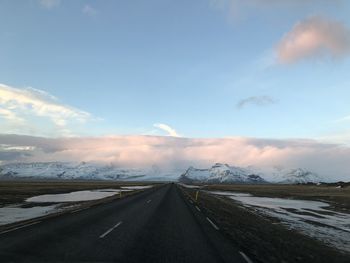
{"x":263,"y":237}
{"x":338,"y":198}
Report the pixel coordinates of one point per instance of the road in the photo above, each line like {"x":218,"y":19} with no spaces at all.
{"x":157,"y":225}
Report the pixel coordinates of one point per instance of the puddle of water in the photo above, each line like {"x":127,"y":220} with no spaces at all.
{"x":225,"y":193}
{"x":313,"y":218}
{"x":11,"y":214}
{"x":137,"y":187}
{"x":190,"y":186}
{"x":76,"y":196}
{"x":15,"y":213}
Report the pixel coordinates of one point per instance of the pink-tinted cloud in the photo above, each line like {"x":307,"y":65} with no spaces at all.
{"x":314,"y":37}
{"x":330,"y":160}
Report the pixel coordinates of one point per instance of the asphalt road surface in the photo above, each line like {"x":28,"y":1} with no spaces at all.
{"x":157,"y":225}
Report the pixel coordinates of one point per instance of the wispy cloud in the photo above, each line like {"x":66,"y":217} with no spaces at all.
{"x":18,"y":105}
{"x":330,"y":160}
{"x":170,"y":131}
{"x":49,"y":4}
{"x":314,"y":37}
{"x":89,"y":10}
{"x":239,"y":8}
{"x":256,"y":100}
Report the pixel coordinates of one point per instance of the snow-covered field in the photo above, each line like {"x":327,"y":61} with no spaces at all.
{"x":312,"y":218}
{"x":15,"y":213}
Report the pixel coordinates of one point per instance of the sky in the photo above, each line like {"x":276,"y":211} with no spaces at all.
{"x":251,"y":71}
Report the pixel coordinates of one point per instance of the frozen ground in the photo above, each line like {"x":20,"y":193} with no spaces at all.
{"x":15,"y":213}
{"x":312,"y":218}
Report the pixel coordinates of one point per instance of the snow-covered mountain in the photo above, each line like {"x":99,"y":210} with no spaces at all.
{"x":295,"y":176}
{"x":223,"y":173}
{"x":89,"y":171}
{"x":220,"y":173}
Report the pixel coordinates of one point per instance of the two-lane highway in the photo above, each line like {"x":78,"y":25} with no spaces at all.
{"x":157,"y":225}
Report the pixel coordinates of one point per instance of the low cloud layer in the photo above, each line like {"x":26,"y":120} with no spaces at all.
{"x":314,"y":37}
{"x":256,"y":100}
{"x":329,"y":160}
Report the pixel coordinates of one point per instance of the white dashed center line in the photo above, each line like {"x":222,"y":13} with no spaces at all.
{"x":110,"y":230}
{"x":149,"y":201}
{"x":77,"y":210}
{"x":212,"y":223}
{"x":245,"y":257}
{"x":198,"y":208}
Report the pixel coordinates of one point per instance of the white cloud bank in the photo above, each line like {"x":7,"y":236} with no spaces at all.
{"x":314,"y":37}
{"x":18,"y":106}
{"x":329,"y":160}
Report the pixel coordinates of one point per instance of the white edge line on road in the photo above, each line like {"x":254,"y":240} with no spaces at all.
{"x":72,"y":212}
{"x":212,"y":223}
{"x":13,"y":229}
{"x":110,"y":230}
{"x":197,"y":208}
{"x":245,"y":257}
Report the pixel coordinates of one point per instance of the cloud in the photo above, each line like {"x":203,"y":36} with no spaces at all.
{"x":256,"y":100}
{"x":18,"y":106}
{"x":327,"y":159}
{"x":49,"y":4}
{"x":167,"y":128}
{"x":10,"y":116}
{"x":314,"y":37}
{"x":89,"y":10}
{"x":237,"y":9}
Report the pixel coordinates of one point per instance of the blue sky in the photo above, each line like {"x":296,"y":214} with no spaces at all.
{"x":186,"y":64}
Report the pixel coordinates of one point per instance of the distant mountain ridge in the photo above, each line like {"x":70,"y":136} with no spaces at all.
{"x":223,"y":173}
{"x":296,"y":176}
{"x":83,"y":170}
{"x":218,"y":173}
